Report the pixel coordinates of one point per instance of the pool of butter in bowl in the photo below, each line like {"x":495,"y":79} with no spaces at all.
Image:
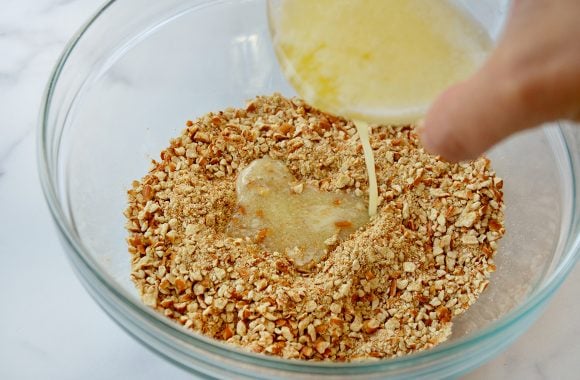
{"x":287,"y":216}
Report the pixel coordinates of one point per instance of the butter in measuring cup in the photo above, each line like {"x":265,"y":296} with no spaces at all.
{"x":377,"y":61}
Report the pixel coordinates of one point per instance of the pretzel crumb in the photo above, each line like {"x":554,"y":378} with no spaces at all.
{"x":391,"y":288}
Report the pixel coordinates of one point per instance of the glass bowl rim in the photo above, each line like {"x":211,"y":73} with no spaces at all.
{"x":49,"y":187}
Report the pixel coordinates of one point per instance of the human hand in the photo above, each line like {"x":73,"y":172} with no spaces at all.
{"x":533,"y":76}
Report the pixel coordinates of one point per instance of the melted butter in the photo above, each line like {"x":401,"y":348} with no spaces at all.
{"x":364,"y":130}
{"x":286,"y":216}
{"x":382,"y":61}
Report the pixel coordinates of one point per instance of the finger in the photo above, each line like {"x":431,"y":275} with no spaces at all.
{"x":471,"y":116}
{"x":530,"y":78}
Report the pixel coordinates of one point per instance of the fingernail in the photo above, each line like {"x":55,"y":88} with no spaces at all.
{"x":420,"y":128}
{"x":424,"y":136}
{"x":420,"y":125}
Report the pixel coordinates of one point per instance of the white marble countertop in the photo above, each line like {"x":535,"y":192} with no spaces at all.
{"x":49,"y":326}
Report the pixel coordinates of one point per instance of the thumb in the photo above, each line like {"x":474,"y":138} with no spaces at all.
{"x":469,"y":117}
{"x":531,"y":77}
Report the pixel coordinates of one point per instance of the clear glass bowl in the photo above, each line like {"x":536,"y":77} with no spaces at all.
{"x":125,"y":85}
